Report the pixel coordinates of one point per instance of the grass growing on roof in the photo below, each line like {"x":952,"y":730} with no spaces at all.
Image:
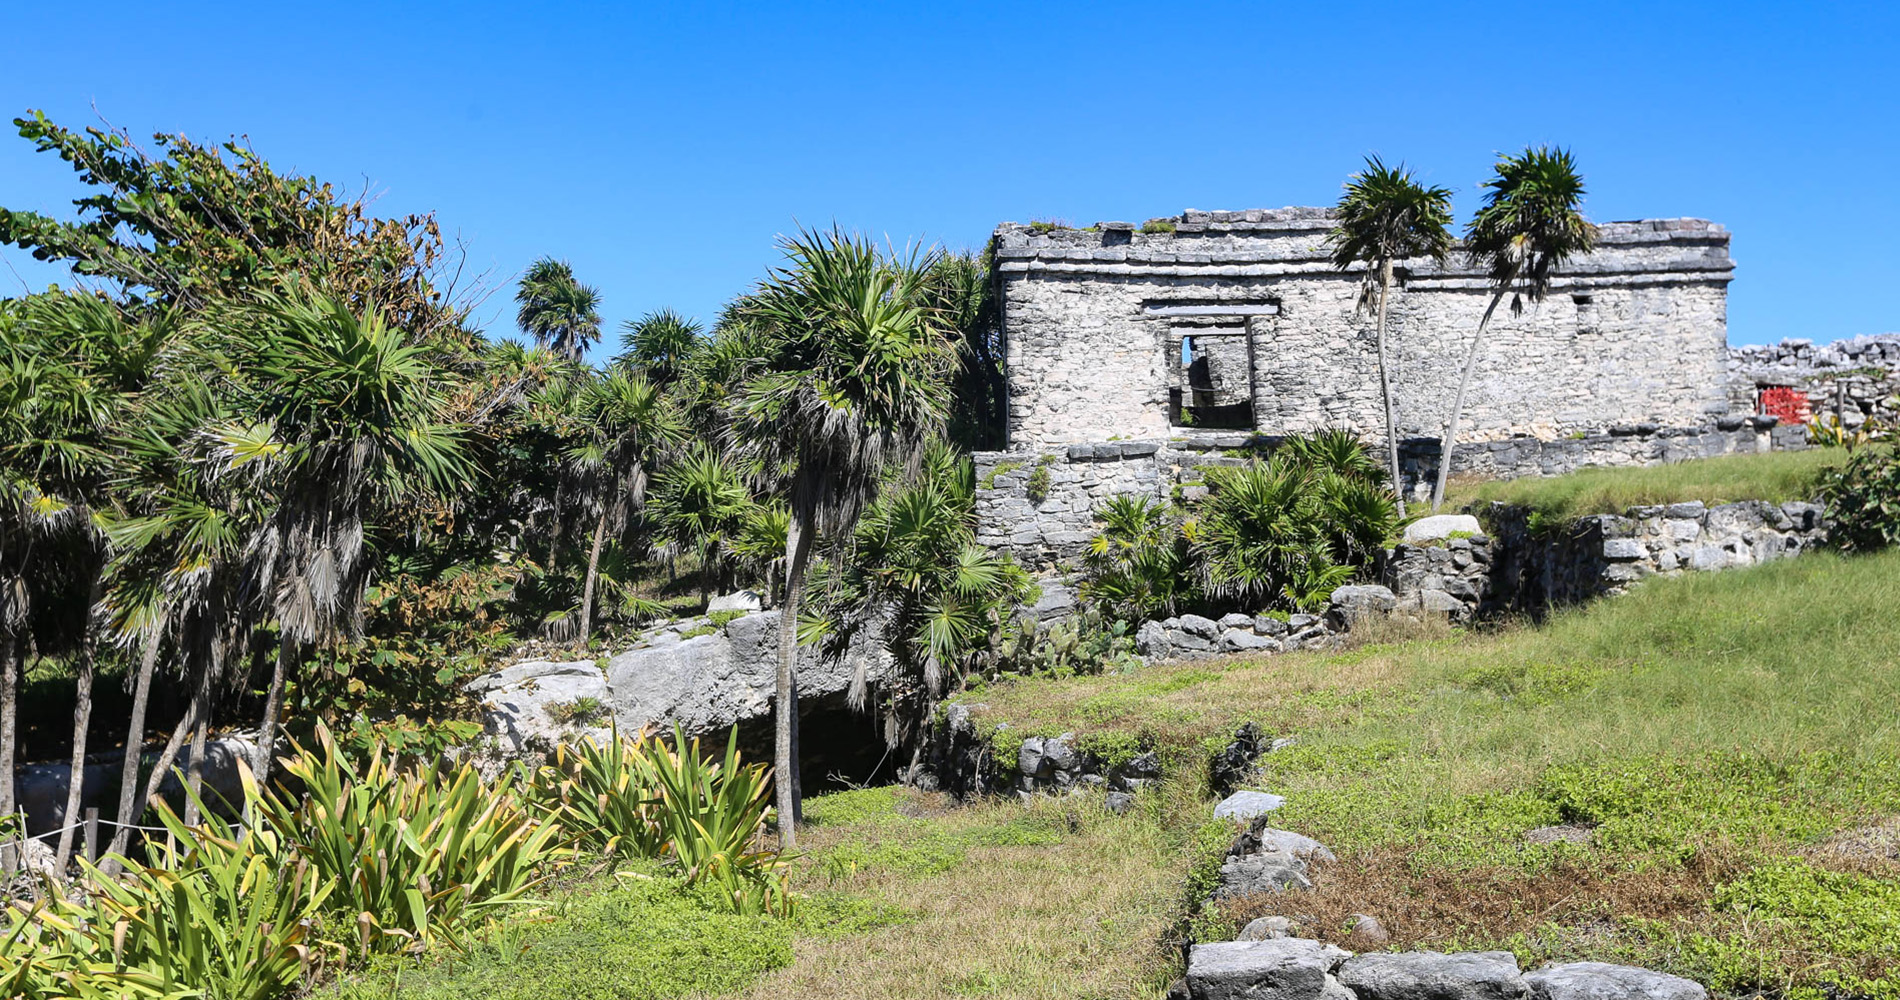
{"x":1777,"y":476}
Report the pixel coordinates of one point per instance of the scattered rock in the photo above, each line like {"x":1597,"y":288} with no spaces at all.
{"x":1274,"y":969}
{"x":1235,"y":762}
{"x":1119,"y":803}
{"x":1237,"y":640}
{"x":1270,"y":871}
{"x":1367,"y":934}
{"x":1878,"y":842}
{"x":1151,"y":640}
{"x":1204,"y":628}
{"x":1602,"y":981}
{"x":1247,"y":805}
{"x":1429,"y":975}
{"x":738,"y":600}
{"x":1265,"y":838}
{"x":1269,"y":625}
{"x":1568,"y":833}
{"x":1266,"y":929}
{"x":1360,"y":601}
{"x":1438,"y":526}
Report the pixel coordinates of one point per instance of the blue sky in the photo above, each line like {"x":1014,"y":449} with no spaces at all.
{"x":661,"y":149}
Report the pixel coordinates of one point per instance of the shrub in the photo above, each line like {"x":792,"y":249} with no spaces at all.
{"x":1288,"y":530}
{"x":1153,"y":226}
{"x":1137,"y":567}
{"x":1863,"y":499}
{"x":417,"y":858}
{"x":644,"y":799}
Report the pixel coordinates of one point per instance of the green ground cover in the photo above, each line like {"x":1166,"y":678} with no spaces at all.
{"x":1778,"y":476}
{"x":1728,"y":743}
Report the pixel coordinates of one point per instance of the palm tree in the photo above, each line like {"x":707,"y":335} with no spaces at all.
{"x":699,"y":505}
{"x":349,"y":425}
{"x":661,"y":344}
{"x":1385,"y":216}
{"x":855,"y":378}
{"x":556,"y":310}
{"x":1530,"y":223}
{"x":625,"y":422}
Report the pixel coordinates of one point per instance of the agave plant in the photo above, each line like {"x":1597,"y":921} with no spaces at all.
{"x":417,"y":859}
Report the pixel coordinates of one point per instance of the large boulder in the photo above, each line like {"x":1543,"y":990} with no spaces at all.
{"x":1274,"y":969}
{"x":1602,"y":981}
{"x":702,"y":683}
{"x":1430,"y":975}
{"x":1441,"y":526}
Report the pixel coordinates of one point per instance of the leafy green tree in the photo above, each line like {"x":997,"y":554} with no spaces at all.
{"x":559,"y":312}
{"x":661,"y":344}
{"x":1138,"y":567}
{"x":196,"y":224}
{"x":1386,"y":216}
{"x":1530,"y":223}
{"x":964,"y":294}
{"x":854,"y":379}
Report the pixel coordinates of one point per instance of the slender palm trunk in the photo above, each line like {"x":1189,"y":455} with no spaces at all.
{"x":1385,"y":387}
{"x":121,"y":841}
{"x":264,"y":753}
{"x":785,"y":732}
{"x":195,"y":764}
{"x":82,"y":724}
{"x":130,"y":803}
{"x":593,"y":572}
{"x":10,"y":656}
{"x":554,"y":530}
{"x":1458,"y":401}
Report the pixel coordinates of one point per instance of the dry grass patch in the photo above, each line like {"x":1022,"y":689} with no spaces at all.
{"x":1055,"y":899}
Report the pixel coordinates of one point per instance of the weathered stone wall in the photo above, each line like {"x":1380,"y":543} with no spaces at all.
{"x":1040,"y":505}
{"x":1634,"y":333}
{"x":1859,"y":376}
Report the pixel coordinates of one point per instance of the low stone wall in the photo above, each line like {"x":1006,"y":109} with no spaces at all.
{"x":1605,"y":553}
{"x":1040,"y":506}
{"x":1859,"y":376}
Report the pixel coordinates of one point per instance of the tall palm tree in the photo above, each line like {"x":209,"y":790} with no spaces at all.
{"x":349,"y":426}
{"x":1385,"y":216}
{"x":556,"y":310}
{"x":855,"y":379}
{"x":661,"y":344}
{"x":625,"y":422}
{"x":1530,"y":223}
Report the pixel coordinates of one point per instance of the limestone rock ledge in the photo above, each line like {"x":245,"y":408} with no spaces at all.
{"x":703,"y":681}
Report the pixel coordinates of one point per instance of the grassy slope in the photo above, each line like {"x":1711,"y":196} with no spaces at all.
{"x":1778,"y":476}
{"x":1718,"y":731}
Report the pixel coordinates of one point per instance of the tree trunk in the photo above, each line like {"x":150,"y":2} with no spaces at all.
{"x":195,"y":764}
{"x":554,"y":530}
{"x":82,"y":724}
{"x":10,"y":657}
{"x":134,"y":747}
{"x":593,"y":571}
{"x":785,"y":707}
{"x":273,"y":707}
{"x":121,"y":841}
{"x":1385,"y":388}
{"x":1458,"y":401}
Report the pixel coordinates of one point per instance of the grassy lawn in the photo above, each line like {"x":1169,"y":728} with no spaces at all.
{"x":1779,"y":476}
{"x":1730,"y":741}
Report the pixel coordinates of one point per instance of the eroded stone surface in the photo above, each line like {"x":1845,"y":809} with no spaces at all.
{"x":1430,"y":975}
{"x":1274,"y":969}
{"x":1602,"y":981}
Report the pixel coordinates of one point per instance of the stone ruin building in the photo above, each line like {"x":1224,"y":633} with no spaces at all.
{"x":1137,"y":355}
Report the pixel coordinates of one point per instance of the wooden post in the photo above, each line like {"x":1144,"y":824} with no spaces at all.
{"x":92,"y":834}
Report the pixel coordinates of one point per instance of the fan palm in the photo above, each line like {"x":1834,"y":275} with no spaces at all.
{"x":623,"y":424}
{"x":1530,"y":224}
{"x":699,"y":504}
{"x":556,"y":310}
{"x":1385,"y":216}
{"x":661,"y":344}
{"x":855,"y":377}
{"x":348,"y":425}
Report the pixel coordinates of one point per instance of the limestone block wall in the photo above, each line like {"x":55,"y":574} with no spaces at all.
{"x":1859,"y":376}
{"x":1634,"y":333}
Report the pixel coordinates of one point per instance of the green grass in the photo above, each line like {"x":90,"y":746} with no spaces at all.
{"x":631,"y":936}
{"x":1715,"y":732}
{"x":1778,"y":476}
